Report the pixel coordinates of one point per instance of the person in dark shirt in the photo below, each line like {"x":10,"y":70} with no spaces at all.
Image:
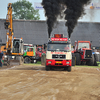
{"x":1,"y":58}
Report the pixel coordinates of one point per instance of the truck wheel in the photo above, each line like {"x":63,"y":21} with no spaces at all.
{"x":91,"y":61}
{"x":78,"y":58}
{"x":27,"y":60}
{"x":65,"y":68}
{"x":73,"y":59}
{"x":47,"y":68}
{"x":69,"y":68}
{"x":96,"y":58}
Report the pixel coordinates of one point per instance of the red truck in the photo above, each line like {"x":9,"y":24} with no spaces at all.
{"x":39,"y":51}
{"x":58,"y":53}
{"x":83,"y":53}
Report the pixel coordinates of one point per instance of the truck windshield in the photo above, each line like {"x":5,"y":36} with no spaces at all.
{"x":16,"y":45}
{"x":59,"y":47}
{"x":39,"y":49}
{"x":25,"y":47}
{"x":83,"y":45}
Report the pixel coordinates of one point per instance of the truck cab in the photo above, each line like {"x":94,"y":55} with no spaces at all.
{"x":58,"y":53}
{"x":39,"y":51}
{"x":17,"y":46}
{"x":30,"y":55}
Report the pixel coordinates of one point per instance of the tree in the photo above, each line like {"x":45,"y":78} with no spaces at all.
{"x":23,"y":9}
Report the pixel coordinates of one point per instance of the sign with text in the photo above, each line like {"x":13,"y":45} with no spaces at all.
{"x":94,"y":6}
{"x":59,"y":39}
{"x":38,"y":6}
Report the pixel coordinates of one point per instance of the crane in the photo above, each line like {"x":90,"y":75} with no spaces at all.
{"x":14,"y":46}
{"x":9,"y":28}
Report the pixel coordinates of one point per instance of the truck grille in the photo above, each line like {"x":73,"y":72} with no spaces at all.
{"x":88,"y":54}
{"x":59,"y":56}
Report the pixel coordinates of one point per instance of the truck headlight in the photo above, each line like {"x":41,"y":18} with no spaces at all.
{"x":67,"y":62}
{"x":13,"y":57}
{"x":5,"y":56}
{"x":49,"y":62}
{"x":34,"y":61}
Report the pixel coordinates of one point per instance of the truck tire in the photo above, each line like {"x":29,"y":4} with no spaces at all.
{"x":27,"y":60}
{"x":65,"y":68}
{"x":73,"y":59}
{"x":69,"y":68}
{"x":78,"y":58}
{"x":47,"y":68}
{"x":91,"y":61}
{"x":96,"y":58}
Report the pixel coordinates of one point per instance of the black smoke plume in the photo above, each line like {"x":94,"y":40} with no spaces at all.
{"x":74,"y":9}
{"x":51,"y":11}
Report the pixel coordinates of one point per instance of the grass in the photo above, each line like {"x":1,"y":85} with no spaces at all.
{"x":39,"y":64}
{"x":98,"y":63}
{"x":87,"y":66}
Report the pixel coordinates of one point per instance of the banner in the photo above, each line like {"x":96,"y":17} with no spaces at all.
{"x":93,"y":6}
{"x":38,"y":6}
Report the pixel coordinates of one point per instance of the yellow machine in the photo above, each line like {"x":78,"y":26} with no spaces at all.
{"x":14,"y":46}
{"x":2,"y":48}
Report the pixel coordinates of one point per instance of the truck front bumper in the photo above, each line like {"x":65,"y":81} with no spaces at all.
{"x":61,"y":63}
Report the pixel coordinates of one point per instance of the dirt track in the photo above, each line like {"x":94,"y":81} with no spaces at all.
{"x":34,"y":83}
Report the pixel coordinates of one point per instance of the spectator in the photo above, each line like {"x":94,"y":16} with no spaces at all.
{"x":1,"y":58}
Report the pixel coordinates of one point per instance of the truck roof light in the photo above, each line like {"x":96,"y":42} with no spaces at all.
{"x":58,"y":35}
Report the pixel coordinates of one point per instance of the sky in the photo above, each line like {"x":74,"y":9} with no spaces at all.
{"x":92,"y":15}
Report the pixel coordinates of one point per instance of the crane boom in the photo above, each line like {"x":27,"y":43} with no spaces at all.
{"x":14,"y":46}
{"x":9,"y":28}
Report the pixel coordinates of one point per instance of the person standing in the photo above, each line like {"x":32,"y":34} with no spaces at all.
{"x":1,"y":58}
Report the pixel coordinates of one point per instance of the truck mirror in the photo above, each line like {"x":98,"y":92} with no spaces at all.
{"x":21,"y":41}
{"x":45,"y":46}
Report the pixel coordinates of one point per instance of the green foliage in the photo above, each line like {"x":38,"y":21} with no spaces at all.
{"x":23,"y":9}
